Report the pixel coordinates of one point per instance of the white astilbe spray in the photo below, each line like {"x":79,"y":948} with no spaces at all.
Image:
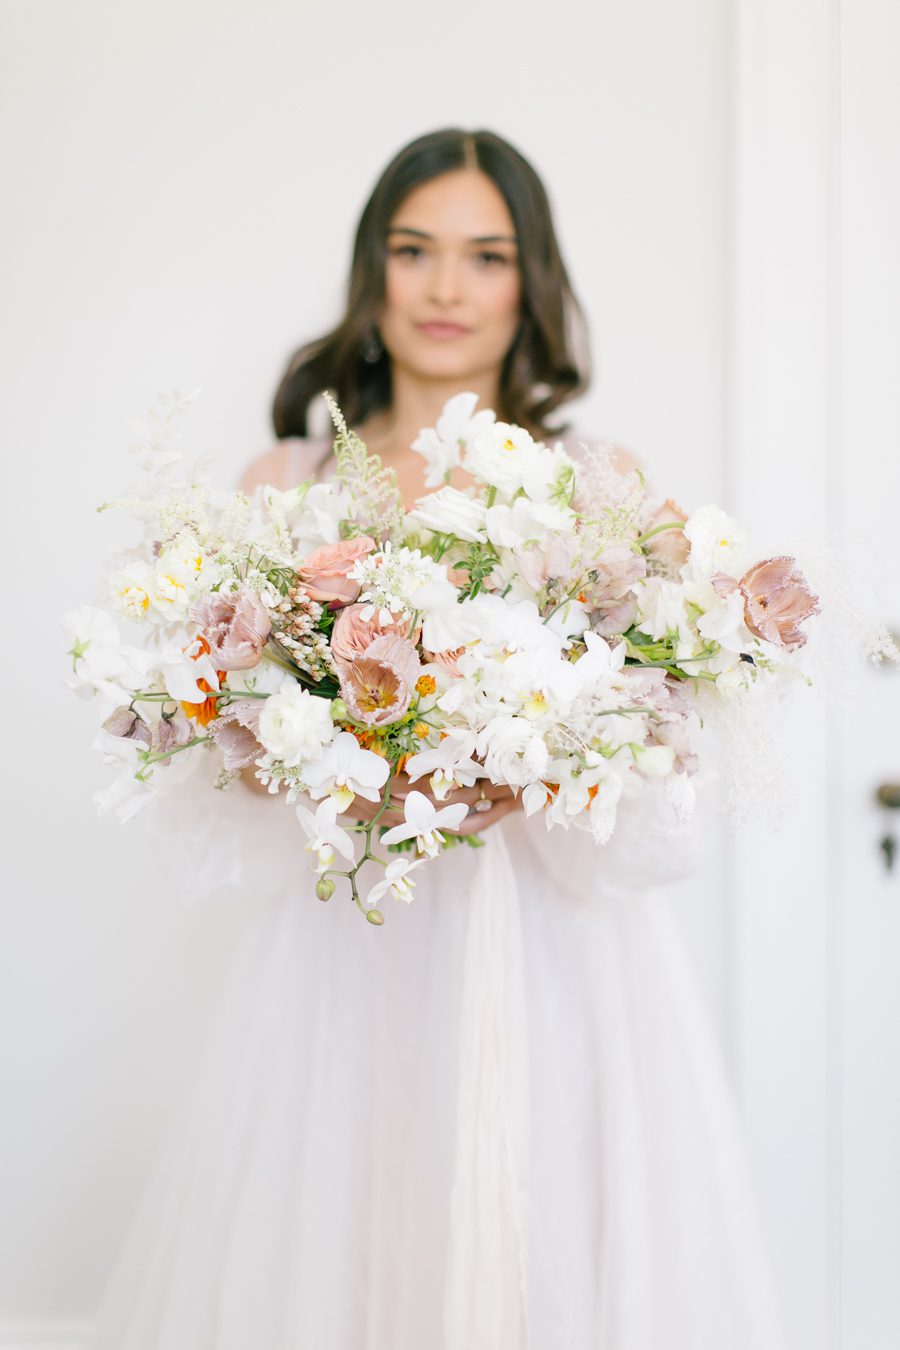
{"x":753,"y":773}
{"x":602,"y":490}
{"x":854,"y":586}
{"x":376,"y":504}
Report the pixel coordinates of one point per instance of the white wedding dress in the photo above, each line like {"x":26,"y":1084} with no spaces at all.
{"x":498,"y":1122}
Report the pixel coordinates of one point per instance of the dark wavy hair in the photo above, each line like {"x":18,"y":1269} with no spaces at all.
{"x":547,"y":362}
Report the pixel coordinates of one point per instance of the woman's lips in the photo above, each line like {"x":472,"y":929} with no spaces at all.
{"x":436,"y":329}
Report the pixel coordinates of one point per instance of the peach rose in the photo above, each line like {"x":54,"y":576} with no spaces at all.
{"x":324,"y":573}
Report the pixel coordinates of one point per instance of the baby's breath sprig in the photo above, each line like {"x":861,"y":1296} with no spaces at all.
{"x":377,"y":507}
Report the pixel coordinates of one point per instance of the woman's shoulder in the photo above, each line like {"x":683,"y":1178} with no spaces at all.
{"x":287,"y":463}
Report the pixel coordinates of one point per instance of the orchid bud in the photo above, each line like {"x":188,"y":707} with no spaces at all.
{"x":324,"y":888}
{"x":375,"y":916}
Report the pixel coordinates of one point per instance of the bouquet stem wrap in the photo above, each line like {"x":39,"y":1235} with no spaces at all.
{"x":485,"y":1304}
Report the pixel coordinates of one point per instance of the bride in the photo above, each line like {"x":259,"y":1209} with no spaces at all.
{"x":500,"y":1120}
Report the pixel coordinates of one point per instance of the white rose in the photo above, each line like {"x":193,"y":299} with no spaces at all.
{"x":295,"y":725}
{"x":451,"y":512}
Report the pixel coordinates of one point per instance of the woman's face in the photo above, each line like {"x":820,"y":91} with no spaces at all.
{"x":452,"y":284}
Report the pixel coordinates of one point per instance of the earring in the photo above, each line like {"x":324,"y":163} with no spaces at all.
{"x":373,"y":347}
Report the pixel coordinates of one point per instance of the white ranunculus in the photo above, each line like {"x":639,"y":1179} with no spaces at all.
{"x":295,"y":725}
{"x":501,"y":456}
{"x":504,"y":744}
{"x":718,"y":544}
{"x":451,"y":512}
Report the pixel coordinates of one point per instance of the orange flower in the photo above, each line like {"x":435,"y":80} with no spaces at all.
{"x":421,"y":730}
{"x":426,"y":684}
{"x":207,"y":711}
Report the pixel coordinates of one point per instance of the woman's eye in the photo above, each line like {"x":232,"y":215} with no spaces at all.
{"x":489,"y":258}
{"x":408,"y":251}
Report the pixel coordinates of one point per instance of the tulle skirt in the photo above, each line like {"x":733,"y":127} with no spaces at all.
{"x":499,"y":1121}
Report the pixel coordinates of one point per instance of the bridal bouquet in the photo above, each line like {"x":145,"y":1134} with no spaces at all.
{"x":550,"y":627}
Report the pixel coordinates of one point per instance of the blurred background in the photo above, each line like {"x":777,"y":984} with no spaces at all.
{"x":180,"y":186}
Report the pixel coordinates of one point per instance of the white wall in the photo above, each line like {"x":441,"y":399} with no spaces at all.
{"x":180,"y":184}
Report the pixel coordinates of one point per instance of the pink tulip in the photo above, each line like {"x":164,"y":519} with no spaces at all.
{"x":377,"y":685}
{"x":236,"y":625}
{"x":777,"y":600}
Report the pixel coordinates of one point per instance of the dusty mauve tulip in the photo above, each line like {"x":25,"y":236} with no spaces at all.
{"x":234,"y":732}
{"x":352,"y":634}
{"x":777,"y":600}
{"x":324,"y":572}
{"x":377,"y":686}
{"x":671,"y":546}
{"x":235,"y":624}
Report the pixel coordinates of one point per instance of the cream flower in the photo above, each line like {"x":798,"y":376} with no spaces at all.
{"x":396,"y":880}
{"x":324,"y":835}
{"x":346,"y":771}
{"x":295,"y":725}
{"x":423,"y":821}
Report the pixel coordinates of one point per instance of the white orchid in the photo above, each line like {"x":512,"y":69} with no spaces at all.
{"x":346,"y":771}
{"x":324,"y":835}
{"x":423,"y":822}
{"x":396,"y":880}
{"x":449,"y":764}
{"x":441,"y":446}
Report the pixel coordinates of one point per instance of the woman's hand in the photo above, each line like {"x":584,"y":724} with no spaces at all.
{"x":501,"y":799}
